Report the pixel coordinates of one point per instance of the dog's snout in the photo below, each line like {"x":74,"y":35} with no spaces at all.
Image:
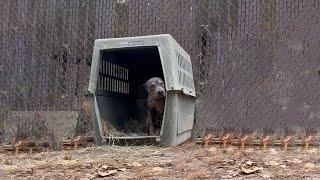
{"x":160,"y":93}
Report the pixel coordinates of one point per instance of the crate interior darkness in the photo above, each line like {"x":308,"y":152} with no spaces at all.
{"x":121,"y":96}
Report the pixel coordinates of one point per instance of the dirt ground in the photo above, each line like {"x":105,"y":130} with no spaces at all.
{"x":188,"y":161}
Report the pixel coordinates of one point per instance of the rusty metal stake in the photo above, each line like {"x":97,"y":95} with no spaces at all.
{"x":206,"y":139}
{"x":225,"y":138}
{"x":308,"y":141}
{"x":78,"y":141}
{"x":243,"y":140}
{"x":265,"y":141}
{"x":17,"y":150}
{"x":286,"y":142}
{"x":18,"y":145}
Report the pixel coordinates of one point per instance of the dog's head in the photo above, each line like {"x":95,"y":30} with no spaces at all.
{"x":155,"y":87}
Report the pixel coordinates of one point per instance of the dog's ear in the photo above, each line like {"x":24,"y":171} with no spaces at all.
{"x":146,"y":86}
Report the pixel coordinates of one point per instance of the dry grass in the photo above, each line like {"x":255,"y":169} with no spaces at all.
{"x":188,"y":161}
{"x":199,"y":174}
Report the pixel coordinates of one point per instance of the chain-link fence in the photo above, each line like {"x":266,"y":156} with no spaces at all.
{"x":256,"y":63}
{"x":261,"y":67}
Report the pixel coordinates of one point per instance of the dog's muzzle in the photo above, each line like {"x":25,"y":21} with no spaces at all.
{"x":160,"y":93}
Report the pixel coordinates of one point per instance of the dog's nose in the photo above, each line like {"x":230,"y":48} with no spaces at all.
{"x":160,"y":93}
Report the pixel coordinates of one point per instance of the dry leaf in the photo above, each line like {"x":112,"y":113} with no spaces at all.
{"x":104,"y":173}
{"x":88,"y":166}
{"x":7,"y":162}
{"x":105,"y":167}
{"x":122,"y":169}
{"x":250,"y":170}
{"x":106,"y":170}
{"x":250,"y":167}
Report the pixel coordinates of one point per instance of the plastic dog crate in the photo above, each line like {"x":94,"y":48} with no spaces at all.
{"x":120,"y":67}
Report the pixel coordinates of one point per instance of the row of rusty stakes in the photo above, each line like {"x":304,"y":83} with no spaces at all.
{"x":266,"y":140}
{"x":23,"y":144}
{"x":307,"y":141}
{"x":243,"y":140}
{"x":80,"y":140}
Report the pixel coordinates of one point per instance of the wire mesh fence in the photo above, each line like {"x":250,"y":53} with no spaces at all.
{"x":256,"y":63}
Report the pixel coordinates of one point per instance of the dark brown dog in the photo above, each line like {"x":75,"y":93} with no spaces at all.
{"x":156,"y":101}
